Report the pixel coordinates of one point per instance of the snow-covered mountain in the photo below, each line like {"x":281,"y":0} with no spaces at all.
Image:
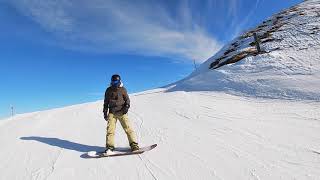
{"x":288,"y":65}
{"x":203,"y":130}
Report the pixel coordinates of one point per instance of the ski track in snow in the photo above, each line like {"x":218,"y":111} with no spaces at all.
{"x":147,"y":167}
{"x":53,"y":164}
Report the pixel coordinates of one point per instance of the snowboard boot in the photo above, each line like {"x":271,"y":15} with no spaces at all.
{"x":109,"y":150}
{"x":134,"y":146}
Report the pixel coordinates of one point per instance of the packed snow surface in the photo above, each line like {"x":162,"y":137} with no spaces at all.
{"x":200,"y":135}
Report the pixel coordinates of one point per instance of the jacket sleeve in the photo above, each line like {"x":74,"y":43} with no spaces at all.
{"x":126,"y":98}
{"x":106,"y":102}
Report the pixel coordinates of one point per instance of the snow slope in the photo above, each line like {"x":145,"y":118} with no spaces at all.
{"x":200,"y":135}
{"x":288,"y":67}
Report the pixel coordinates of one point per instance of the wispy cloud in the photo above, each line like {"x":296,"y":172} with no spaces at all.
{"x":239,"y":26}
{"x":110,"y":26}
{"x":232,"y":10}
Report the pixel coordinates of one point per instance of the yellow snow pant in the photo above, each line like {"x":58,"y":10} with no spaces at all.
{"x":111,"y":127}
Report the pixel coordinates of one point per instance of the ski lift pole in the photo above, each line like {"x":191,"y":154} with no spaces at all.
{"x":257,"y":42}
{"x":12,"y":112}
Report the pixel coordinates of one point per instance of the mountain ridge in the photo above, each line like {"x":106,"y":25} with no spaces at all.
{"x":287,"y":67}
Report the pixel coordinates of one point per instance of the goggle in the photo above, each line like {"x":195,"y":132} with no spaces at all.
{"x":115,"y":82}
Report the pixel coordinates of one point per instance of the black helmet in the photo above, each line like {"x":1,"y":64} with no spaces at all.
{"x":115,"y":77}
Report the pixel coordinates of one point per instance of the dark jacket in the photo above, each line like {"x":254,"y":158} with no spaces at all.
{"x":116,"y":99}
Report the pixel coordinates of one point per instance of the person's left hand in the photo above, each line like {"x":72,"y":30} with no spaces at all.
{"x":125,"y":109}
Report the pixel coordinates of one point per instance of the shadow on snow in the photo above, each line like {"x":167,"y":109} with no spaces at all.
{"x":65,"y":144}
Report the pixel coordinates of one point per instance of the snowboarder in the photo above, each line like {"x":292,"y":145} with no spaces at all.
{"x":116,"y":106}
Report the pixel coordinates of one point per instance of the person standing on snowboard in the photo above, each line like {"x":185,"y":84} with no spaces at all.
{"x":116,"y":106}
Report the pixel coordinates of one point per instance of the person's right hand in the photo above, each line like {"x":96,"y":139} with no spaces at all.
{"x":106,"y":117}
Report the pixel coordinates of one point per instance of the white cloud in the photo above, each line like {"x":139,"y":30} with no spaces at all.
{"x":239,"y":26}
{"x":233,"y":7}
{"x":51,"y":15}
{"x":110,"y":26}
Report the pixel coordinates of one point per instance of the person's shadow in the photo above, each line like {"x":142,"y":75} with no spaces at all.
{"x":65,"y":144}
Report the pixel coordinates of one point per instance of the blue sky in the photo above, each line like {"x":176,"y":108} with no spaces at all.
{"x":63,"y":52}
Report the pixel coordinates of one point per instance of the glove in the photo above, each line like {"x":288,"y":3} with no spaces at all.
{"x":105,"y":115}
{"x":125,"y":109}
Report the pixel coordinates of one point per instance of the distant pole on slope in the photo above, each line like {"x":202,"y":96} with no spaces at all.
{"x":12,"y":111}
{"x":257,"y":42}
{"x":194,"y":63}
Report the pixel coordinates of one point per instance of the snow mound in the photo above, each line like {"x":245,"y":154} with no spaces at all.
{"x":288,"y":65}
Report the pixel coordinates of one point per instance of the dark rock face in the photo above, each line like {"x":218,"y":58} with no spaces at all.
{"x":245,"y":45}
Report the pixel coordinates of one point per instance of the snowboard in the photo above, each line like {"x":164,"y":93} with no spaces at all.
{"x":123,"y":152}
